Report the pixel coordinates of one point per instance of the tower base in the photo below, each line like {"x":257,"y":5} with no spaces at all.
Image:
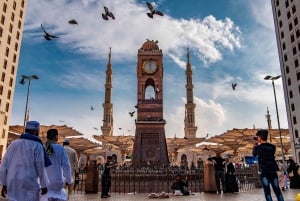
{"x":150,"y":147}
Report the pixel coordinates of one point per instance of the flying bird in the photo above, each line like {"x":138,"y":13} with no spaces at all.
{"x":95,"y":128}
{"x":234,"y":85}
{"x":137,"y":105}
{"x":131,"y":113}
{"x":73,"y":21}
{"x":48,"y":36}
{"x":205,"y":148}
{"x":152,"y":11}
{"x":92,"y":107}
{"x":157,"y":90}
{"x":107,"y":14}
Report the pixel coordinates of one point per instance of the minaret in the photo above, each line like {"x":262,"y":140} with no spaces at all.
{"x":268,"y":117}
{"x":189,"y":117}
{"x":107,"y":127}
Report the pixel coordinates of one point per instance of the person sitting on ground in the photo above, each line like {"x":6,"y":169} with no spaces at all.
{"x":179,"y":185}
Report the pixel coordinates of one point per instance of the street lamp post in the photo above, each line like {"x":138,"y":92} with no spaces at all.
{"x":269,"y":77}
{"x":22,"y":81}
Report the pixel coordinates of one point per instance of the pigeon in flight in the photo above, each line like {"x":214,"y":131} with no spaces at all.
{"x":107,"y":14}
{"x":92,"y":107}
{"x":73,"y":21}
{"x":152,"y":11}
{"x":48,"y":36}
{"x":157,"y":90}
{"x":137,"y":105}
{"x":131,"y":113}
{"x":234,"y":85}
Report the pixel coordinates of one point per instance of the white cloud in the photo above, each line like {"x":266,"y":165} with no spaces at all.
{"x":214,"y":42}
{"x":178,"y":61}
{"x":210,"y":115}
{"x":209,"y":118}
{"x":262,"y":12}
{"x":93,"y":35}
{"x":76,"y":79}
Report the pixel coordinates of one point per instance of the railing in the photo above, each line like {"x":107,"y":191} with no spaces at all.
{"x":153,"y":180}
{"x":148,"y":180}
{"x":247,"y":178}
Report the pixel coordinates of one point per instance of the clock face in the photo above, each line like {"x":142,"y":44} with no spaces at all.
{"x":150,"y":66}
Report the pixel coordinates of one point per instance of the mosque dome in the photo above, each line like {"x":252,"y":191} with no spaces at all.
{"x":150,"y":45}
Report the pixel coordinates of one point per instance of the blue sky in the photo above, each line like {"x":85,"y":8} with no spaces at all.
{"x":229,"y":41}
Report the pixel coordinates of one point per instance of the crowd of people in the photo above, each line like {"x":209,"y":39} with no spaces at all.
{"x":224,"y":174}
{"x":293,"y":171}
{"x":270,"y":172}
{"x":34,"y":170}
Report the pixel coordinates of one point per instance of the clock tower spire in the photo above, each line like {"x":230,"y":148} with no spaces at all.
{"x":189,"y":117}
{"x":107,"y":127}
{"x":150,"y":147}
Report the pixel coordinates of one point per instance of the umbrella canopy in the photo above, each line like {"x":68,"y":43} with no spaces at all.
{"x":175,"y":144}
{"x":77,"y":141}
{"x":122,"y":142}
{"x":96,"y":150}
{"x":210,"y":148}
{"x":63,"y":131}
{"x":241,"y":140}
{"x":81,"y":144}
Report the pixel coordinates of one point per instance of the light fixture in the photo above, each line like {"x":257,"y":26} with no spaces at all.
{"x":22,"y":81}
{"x":269,"y":77}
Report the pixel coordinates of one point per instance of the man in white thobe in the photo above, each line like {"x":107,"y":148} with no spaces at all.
{"x":22,"y":171}
{"x":59,"y":173}
{"x":73,"y":162}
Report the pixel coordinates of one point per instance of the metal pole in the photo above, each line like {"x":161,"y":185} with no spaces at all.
{"x":278,"y":123}
{"x":27,"y":97}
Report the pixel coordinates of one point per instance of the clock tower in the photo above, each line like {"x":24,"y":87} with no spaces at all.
{"x":150,"y":146}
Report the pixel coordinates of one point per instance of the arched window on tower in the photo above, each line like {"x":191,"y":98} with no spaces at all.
{"x":149,"y":94}
{"x":149,"y":90}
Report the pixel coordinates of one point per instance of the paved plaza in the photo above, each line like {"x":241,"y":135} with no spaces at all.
{"x":254,"y":195}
